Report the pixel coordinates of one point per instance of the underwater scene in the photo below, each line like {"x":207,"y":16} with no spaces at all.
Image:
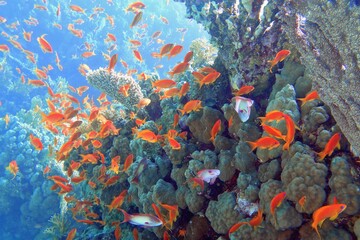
{"x":179,"y":119}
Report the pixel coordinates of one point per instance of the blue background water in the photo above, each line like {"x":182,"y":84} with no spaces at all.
{"x":18,"y":194}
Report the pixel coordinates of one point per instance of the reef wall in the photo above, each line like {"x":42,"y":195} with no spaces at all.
{"x":326,"y":35}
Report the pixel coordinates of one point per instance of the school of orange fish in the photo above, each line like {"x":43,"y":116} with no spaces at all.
{"x":65,"y":116}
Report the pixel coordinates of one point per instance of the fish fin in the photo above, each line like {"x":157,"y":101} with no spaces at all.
{"x":302,"y":100}
{"x":334,"y":217}
{"x":315,"y":227}
{"x":286,"y":146}
{"x":321,"y":222}
{"x":126,"y":216}
{"x":253,"y":145}
{"x":321,"y":155}
{"x":338,"y":146}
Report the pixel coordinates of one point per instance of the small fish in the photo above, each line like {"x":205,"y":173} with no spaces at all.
{"x":71,"y":234}
{"x":36,"y":142}
{"x":257,"y":220}
{"x":7,"y":120}
{"x":302,"y":202}
{"x":188,"y":56}
{"x":244,"y":90}
{"x":190,"y":106}
{"x":280,"y":56}
{"x":117,"y":201}
{"x":163,"y":83}
{"x":140,"y":168}
{"x":124,"y":90}
{"x":136,"y":19}
{"x":143,"y":103}
{"x":290,"y":134}
{"x":243,"y":107}
{"x":208,"y":175}
{"x":13,"y":168}
{"x":209,"y":78}
{"x":334,"y":142}
{"x":112,"y":62}
{"x":215,"y":130}
{"x":44,"y":45}
{"x":274,"y":115}
{"x":137,"y":55}
{"x":175,"y":51}
{"x":142,"y":220}
{"x":175,"y":145}
{"x":264,"y":143}
{"x":309,"y":97}
{"x":276,"y":202}
{"x":180,"y":68}
{"x":273,"y":131}
{"x":236,"y":226}
{"x":147,"y":135}
{"x":330,"y":211}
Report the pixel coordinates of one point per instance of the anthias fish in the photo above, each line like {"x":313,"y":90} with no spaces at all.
{"x":142,"y":220}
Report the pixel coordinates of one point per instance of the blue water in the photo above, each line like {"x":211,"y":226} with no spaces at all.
{"x":26,"y":203}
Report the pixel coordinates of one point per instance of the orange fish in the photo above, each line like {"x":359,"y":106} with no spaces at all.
{"x":175,"y":51}
{"x":236,"y":226}
{"x":4,"y":48}
{"x":36,"y":142}
{"x":88,"y":54}
{"x":117,"y":232}
{"x":136,"y":20}
{"x":128,"y":161}
{"x":137,"y":55}
{"x":334,"y":142}
{"x":143,"y":103}
{"x":302,"y":202}
{"x":115,"y":164}
{"x":135,"y":234}
{"x":257,"y":220}
{"x":309,"y":97}
{"x":184,"y":89}
{"x":280,"y":56}
{"x":272,"y":116}
{"x":209,"y":79}
{"x":112,"y":62}
{"x":192,"y":105}
{"x":163,"y":83}
{"x":36,"y":82}
{"x":76,"y":8}
{"x":147,"y":135}
{"x":44,"y":45}
{"x":264,"y":143}
{"x":7,"y":120}
{"x":170,"y":93}
{"x":71,"y":234}
{"x":166,"y":49}
{"x":13,"y":168}
{"x":276,"y":202}
{"x":330,"y":211}
{"x":188,"y":56}
{"x":273,"y":131}
{"x":215,"y":130}
{"x":27,"y":36}
{"x":290,"y":126}
{"x":176,"y":120}
{"x":244,"y":90}
{"x":46,"y":170}
{"x":180,"y":68}
{"x":175,"y":145}
{"x":117,"y":201}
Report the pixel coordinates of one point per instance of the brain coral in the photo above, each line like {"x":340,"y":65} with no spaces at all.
{"x":110,"y":84}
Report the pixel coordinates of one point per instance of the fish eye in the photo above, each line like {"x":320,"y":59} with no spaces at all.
{"x":341,"y":207}
{"x":146,"y":223}
{"x":210,"y":171}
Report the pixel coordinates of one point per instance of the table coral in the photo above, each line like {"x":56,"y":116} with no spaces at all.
{"x":110,"y":84}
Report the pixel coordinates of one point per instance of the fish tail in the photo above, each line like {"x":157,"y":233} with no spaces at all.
{"x":135,"y":180}
{"x":253,"y":145}
{"x":302,"y":100}
{"x":126,"y":216}
{"x":286,"y":146}
{"x":321,"y":155}
{"x":314,"y":226}
{"x":171,"y":74}
{"x":43,"y":116}
{"x":181,"y":111}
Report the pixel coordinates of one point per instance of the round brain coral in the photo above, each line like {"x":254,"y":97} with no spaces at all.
{"x":302,"y":176}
